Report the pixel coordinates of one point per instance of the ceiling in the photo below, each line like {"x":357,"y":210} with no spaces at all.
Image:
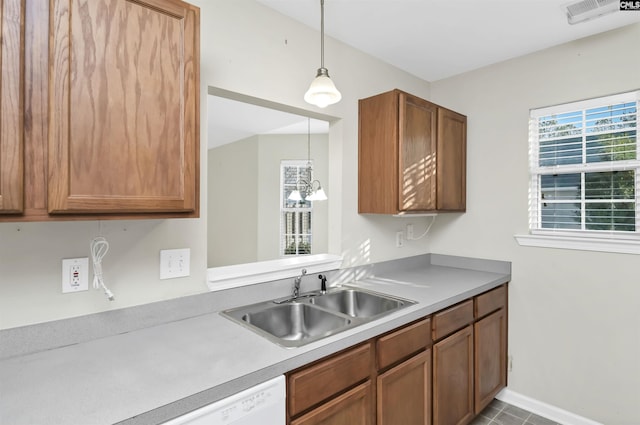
{"x":435,"y":39}
{"x":431,"y":39}
{"x":230,"y":120}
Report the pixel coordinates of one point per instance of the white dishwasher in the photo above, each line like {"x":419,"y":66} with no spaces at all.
{"x":263,"y":404}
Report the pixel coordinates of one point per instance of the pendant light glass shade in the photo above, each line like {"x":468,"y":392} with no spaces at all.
{"x":318,"y":195}
{"x":295,"y":196}
{"x":322,"y":91}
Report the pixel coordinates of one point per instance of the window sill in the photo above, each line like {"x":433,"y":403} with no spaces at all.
{"x":620,"y":246}
{"x":227,"y":277}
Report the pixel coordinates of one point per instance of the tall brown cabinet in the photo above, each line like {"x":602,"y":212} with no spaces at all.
{"x":111,"y":110}
{"x":11,"y":105}
{"x":411,"y":156}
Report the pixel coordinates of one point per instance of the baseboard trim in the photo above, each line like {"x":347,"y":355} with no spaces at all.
{"x":543,"y":409}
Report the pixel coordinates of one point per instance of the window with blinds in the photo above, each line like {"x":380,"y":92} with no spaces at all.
{"x":295,"y":216}
{"x":585,"y":168}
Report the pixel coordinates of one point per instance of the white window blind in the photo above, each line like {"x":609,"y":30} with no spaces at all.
{"x":295,"y":216}
{"x":585,"y":168}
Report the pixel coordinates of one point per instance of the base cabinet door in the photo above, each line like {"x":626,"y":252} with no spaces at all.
{"x":351,"y":408}
{"x":404,"y":393}
{"x":453,"y":401}
{"x":490,"y":357}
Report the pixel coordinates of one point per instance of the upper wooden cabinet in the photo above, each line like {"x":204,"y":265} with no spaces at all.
{"x":110,"y":103}
{"x":411,"y":156}
{"x":11,"y":105}
{"x":123,"y":106}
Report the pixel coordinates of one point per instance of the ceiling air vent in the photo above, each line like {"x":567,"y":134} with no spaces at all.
{"x":585,"y":10}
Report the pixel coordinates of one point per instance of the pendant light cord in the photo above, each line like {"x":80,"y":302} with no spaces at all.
{"x":322,"y":34}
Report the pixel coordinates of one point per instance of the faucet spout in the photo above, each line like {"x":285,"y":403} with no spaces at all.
{"x":296,"y":283}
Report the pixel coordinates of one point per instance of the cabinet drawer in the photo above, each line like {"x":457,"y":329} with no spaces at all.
{"x":403,"y":343}
{"x":491,"y":301}
{"x":313,"y":384}
{"x":450,"y":320}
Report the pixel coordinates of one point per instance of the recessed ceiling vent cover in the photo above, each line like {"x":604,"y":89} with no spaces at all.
{"x":585,"y":10}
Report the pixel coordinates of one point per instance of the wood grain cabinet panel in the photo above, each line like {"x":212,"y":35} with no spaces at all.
{"x":12,"y":15}
{"x":403,"y":343}
{"x":451,"y":319}
{"x":404,"y":393}
{"x":123,"y":106}
{"x":451,"y":161}
{"x":411,"y":155}
{"x":490,"y":301}
{"x":318,"y":382}
{"x":351,"y":408}
{"x":453,"y":397}
{"x":490,"y":347}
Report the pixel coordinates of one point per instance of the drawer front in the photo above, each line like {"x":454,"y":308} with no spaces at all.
{"x":313,"y":384}
{"x":491,"y":301}
{"x":403,"y":343}
{"x":450,"y":320}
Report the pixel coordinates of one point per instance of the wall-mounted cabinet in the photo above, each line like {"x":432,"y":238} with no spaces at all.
{"x":11,"y":105}
{"x":411,"y":156}
{"x":111,"y":116}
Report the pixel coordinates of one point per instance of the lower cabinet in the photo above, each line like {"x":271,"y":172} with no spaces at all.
{"x":440,"y":370}
{"x":404,"y":392}
{"x":351,"y":408}
{"x":453,"y":402}
{"x":490,"y":357}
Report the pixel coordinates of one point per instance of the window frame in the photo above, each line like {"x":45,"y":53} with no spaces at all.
{"x":296,"y":210}
{"x":582,"y":239}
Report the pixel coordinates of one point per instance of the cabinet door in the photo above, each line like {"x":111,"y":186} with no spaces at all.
{"x":351,"y":408}
{"x":417,"y":148}
{"x":404,"y":392}
{"x":11,"y":105}
{"x":490,"y":357}
{"x":453,"y":402}
{"x":123,"y":106}
{"x":452,"y":161}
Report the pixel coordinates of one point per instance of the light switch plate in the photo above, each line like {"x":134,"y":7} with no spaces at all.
{"x":174,"y":263}
{"x":75,"y":274}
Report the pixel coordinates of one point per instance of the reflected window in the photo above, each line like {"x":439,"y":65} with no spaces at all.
{"x":295,"y":215}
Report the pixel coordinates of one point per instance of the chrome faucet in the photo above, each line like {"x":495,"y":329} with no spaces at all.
{"x":296,"y":284}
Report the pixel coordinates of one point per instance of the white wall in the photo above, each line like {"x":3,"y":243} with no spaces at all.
{"x":573,"y":328}
{"x":232,"y":198}
{"x":247,"y":48}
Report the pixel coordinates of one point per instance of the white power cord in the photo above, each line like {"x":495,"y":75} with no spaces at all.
{"x":99,"y":247}
{"x":433,"y":219}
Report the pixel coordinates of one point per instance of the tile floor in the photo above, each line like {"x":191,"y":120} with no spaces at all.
{"x":501,"y":413}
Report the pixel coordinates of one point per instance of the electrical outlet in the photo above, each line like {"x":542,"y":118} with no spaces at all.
{"x":399,"y":239}
{"x":174,"y":263}
{"x":409,"y":232}
{"x":75,"y":274}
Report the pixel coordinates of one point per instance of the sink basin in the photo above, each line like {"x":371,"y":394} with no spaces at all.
{"x":357,"y":303}
{"x":313,"y":316}
{"x":296,"y":321}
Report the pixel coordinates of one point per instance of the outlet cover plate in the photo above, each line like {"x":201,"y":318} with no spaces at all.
{"x":75,"y":274}
{"x":174,"y":263}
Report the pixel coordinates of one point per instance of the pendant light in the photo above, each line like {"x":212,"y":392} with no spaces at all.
{"x":322,"y":91}
{"x":307,"y":190}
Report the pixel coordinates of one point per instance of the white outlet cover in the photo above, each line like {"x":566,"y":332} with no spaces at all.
{"x":175,"y":263}
{"x":75,"y":274}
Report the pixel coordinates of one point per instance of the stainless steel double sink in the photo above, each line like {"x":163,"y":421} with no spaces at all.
{"x":312,"y":316}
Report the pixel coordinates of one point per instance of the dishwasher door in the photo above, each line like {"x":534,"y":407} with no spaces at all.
{"x":263,"y":404}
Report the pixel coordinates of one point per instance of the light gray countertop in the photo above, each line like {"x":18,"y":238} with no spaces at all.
{"x":153,"y":374}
